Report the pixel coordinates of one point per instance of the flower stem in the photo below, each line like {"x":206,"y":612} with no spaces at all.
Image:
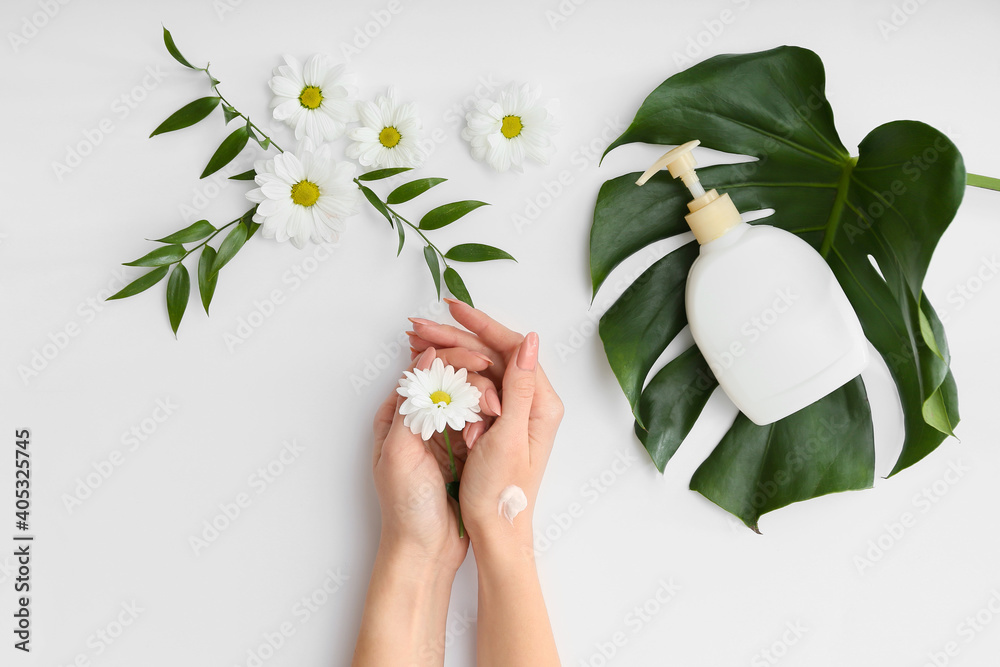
{"x":454,"y":476}
{"x":400,"y":218}
{"x":986,"y":182}
{"x":215,"y":87}
{"x":210,"y":237}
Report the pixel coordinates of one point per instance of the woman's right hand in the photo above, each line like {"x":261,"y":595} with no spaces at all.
{"x":515,"y":449}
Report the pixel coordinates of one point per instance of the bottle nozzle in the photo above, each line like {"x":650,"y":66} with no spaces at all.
{"x":711,"y":215}
{"x":680,"y":163}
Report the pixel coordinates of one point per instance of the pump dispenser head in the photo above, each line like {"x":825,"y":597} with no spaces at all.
{"x":712,"y":215}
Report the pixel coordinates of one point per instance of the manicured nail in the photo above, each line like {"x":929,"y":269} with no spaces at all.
{"x":413,"y":334}
{"x":483,"y":357}
{"x":492,"y":400}
{"x":475,"y":430}
{"x":528,"y":355}
{"x":420,"y":320}
{"x":426,"y":359}
{"x":413,"y":353}
{"x":454,"y":302}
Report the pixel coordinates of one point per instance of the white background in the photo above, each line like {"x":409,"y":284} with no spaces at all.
{"x":296,"y":376}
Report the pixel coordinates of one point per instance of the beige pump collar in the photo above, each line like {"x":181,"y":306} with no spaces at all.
{"x":711,"y":215}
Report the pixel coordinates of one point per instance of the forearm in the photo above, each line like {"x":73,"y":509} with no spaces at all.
{"x":405,"y":612}
{"x":513,"y":624}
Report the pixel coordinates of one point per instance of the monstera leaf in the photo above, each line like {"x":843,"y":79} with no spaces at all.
{"x":876,"y":219}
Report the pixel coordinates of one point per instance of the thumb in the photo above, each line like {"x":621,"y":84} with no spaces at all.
{"x":519,"y":383}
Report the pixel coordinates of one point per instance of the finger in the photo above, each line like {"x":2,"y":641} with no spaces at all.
{"x":417,"y":342}
{"x":489,"y":330}
{"x":445,"y":335}
{"x":495,"y":335}
{"x":459,"y":357}
{"x":472,"y":432}
{"x":519,"y":385}
{"x":382,"y":423}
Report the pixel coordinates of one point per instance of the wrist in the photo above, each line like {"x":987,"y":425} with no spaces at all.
{"x":413,"y":565}
{"x":503,"y":549}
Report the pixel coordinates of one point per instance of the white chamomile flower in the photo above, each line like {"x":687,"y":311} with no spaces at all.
{"x":389,"y":135}
{"x":503,"y":132}
{"x":316,"y":99}
{"x":304,"y":196}
{"x":436,"y":398}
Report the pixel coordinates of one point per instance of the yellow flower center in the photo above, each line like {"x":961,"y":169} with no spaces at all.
{"x":305,"y":193}
{"x":440,"y":397}
{"x":511,"y":126}
{"x":389,"y":137}
{"x":311,"y":97}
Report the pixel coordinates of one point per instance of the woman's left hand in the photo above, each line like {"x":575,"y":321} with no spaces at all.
{"x":418,"y":519}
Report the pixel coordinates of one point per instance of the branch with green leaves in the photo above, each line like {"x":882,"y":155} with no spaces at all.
{"x":169,"y":258}
{"x":434,"y":219}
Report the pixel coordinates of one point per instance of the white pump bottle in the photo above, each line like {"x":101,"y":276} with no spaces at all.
{"x":764,"y":307}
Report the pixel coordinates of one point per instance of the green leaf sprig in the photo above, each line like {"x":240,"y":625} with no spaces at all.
{"x":173,"y":251}
{"x":434,"y":219}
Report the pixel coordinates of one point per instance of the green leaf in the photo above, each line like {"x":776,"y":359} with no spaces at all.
{"x":228,"y":149}
{"x":379,"y":174}
{"x":476,"y":252}
{"x":188,"y":115}
{"x":402,"y":237}
{"x":230,"y":113}
{"x":451,"y":488}
{"x":431,"y":257}
{"x":206,"y":279}
{"x":448,"y":213}
{"x":247,"y":175}
{"x":194,"y":232}
{"x":824,"y":448}
{"x":229,"y":247}
{"x":247,"y":221}
{"x":672,"y":403}
{"x":408,"y":191}
{"x":647,"y":316}
{"x":263,"y":142}
{"x":168,"y":40}
{"x":159,"y":257}
{"x":178,"y":292}
{"x":457,"y":286}
{"x":377,"y":203}
{"x":141,"y":284}
{"x":892,"y":203}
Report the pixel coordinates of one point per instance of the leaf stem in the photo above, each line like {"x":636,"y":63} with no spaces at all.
{"x":210,"y":237}
{"x":985,"y":182}
{"x":400,"y":218}
{"x":454,"y":476}
{"x":838,"y":205}
{"x":215,"y":87}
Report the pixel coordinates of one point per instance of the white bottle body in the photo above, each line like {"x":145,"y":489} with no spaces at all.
{"x":772,"y":321}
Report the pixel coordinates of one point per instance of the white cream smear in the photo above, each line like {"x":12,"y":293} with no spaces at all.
{"x":512,"y":502}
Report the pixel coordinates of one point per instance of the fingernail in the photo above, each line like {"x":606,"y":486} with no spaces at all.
{"x":454,"y":302}
{"x":426,"y":359}
{"x":492,"y":400}
{"x":413,"y":353}
{"x":483,"y":357}
{"x":475,"y":430}
{"x":420,"y":320}
{"x":528,"y":355}
{"x":412,"y":334}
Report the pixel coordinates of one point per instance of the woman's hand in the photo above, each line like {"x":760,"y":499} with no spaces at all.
{"x":515,"y":449}
{"x":406,"y":609}
{"x":418,"y":520}
{"x":513,"y":627}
